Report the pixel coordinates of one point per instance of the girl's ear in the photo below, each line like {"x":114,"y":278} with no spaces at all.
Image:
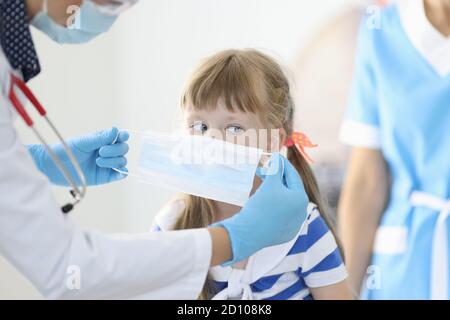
{"x":277,"y":139}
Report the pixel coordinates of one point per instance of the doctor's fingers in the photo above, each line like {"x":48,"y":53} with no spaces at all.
{"x":280,"y":172}
{"x":114,"y":150}
{"x":96,"y":140}
{"x":117,"y":162}
{"x":291,"y":177}
{"x":272,"y":175}
{"x":122,"y":137}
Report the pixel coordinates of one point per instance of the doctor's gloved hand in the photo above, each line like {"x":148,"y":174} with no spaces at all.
{"x":273,"y":215}
{"x":96,"y":153}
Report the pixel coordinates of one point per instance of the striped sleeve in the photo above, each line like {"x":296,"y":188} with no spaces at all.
{"x":322,"y":263}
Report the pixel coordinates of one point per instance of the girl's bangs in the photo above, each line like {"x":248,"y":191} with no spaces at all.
{"x":225,"y":79}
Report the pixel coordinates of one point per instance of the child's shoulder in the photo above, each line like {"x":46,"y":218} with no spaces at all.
{"x":314,"y":226}
{"x":167,"y":216}
{"x":312,"y":213}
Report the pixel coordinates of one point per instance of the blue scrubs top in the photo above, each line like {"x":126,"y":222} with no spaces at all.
{"x":400,"y":104}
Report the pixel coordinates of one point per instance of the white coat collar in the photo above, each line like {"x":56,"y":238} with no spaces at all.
{"x":430,"y":43}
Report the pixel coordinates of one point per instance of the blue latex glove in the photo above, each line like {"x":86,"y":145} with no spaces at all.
{"x":96,"y":153}
{"x":273,"y":215}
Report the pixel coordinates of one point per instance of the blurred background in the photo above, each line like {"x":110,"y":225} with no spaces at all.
{"x":132,"y":78}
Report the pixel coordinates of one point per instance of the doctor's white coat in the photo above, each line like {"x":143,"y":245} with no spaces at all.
{"x":47,"y":247}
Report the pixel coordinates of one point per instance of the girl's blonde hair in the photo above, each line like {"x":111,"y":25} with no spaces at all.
{"x":248,"y":81}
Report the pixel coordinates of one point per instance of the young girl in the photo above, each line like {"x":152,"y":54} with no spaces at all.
{"x":232,"y":92}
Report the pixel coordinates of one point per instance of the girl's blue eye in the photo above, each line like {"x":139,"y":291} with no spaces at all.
{"x":199,"y":127}
{"x":235,"y":129}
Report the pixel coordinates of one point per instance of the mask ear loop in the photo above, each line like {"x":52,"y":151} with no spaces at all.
{"x":121,"y":172}
{"x":127,"y":173}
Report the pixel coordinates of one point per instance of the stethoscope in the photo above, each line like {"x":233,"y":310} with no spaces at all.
{"x":77,"y":193}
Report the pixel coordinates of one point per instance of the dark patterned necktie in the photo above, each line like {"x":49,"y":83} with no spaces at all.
{"x":15,"y":38}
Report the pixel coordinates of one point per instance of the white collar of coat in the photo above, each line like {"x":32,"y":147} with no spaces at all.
{"x":262,"y":262}
{"x":430,"y":43}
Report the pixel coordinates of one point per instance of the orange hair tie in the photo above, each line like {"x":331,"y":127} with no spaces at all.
{"x":300,"y":141}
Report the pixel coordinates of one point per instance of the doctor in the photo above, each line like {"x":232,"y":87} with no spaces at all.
{"x":46,"y":246}
{"x":395,"y":205}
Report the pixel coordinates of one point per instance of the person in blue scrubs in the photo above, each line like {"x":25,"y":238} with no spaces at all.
{"x":395,"y":201}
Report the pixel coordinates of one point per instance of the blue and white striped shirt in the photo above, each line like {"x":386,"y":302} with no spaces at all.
{"x":282,"y":272}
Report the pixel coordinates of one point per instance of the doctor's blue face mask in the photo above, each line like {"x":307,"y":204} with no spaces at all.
{"x":84,"y":22}
{"x":197,"y":165}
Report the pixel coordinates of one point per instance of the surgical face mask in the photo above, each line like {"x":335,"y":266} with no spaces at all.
{"x":87,"y":21}
{"x":197,"y":165}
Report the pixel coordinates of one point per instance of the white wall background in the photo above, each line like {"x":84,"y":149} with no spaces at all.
{"x":132,"y":77}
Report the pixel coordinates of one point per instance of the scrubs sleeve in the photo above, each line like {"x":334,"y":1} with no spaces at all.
{"x":360,"y":127}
